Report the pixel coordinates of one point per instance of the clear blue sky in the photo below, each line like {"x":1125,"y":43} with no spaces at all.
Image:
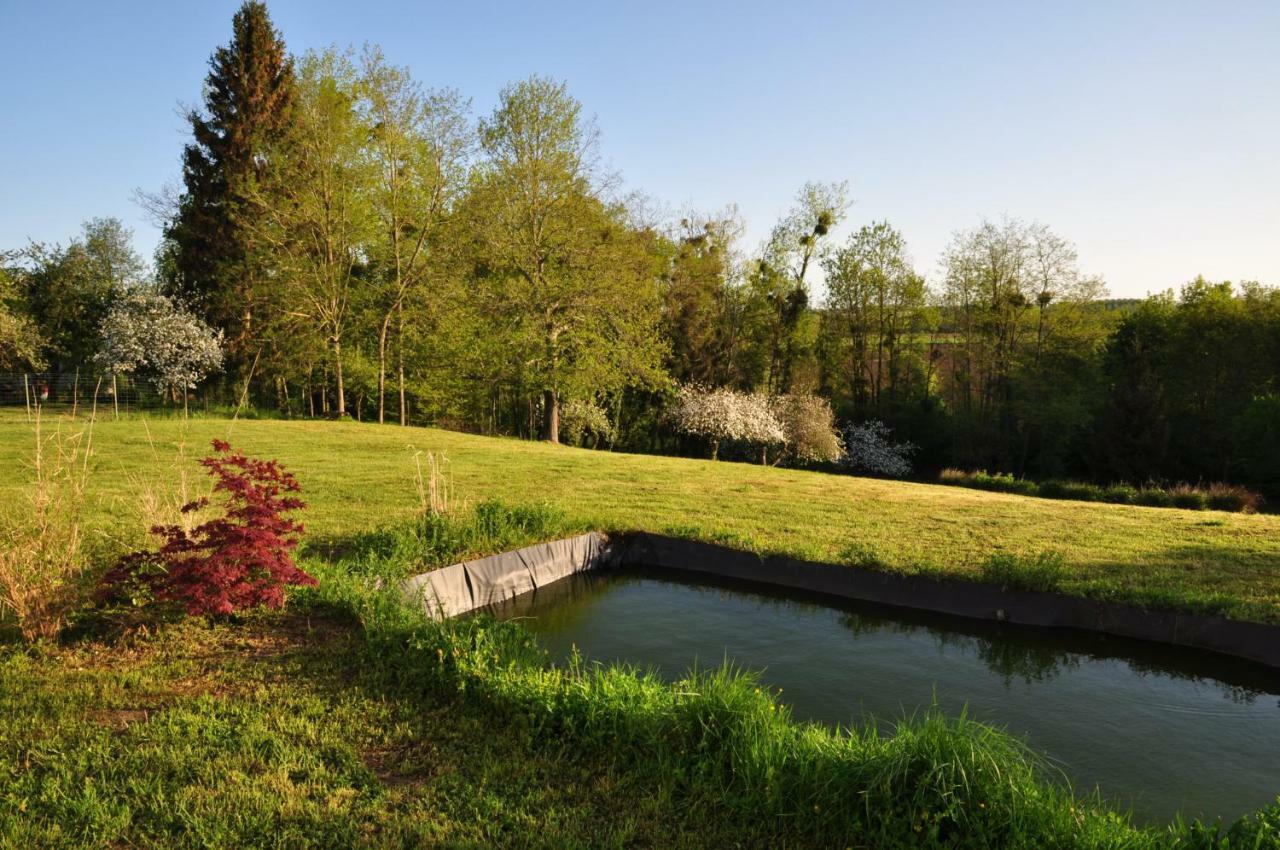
{"x":1146,"y":132}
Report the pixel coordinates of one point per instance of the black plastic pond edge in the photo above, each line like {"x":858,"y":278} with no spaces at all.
{"x":464,"y":587}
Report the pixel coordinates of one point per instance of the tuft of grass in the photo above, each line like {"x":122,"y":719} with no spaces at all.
{"x":1044,"y":571}
{"x":435,"y":539}
{"x":858,"y":554}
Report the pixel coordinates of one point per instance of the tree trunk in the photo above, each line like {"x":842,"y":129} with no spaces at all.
{"x":404,"y":406}
{"x":715,"y":449}
{"x":337,"y":376}
{"x":550,"y":416}
{"x":382,"y":366}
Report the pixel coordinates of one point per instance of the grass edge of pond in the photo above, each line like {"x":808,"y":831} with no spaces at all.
{"x":942,"y":781}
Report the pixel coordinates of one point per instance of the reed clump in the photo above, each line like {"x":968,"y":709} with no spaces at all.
{"x":44,"y":554}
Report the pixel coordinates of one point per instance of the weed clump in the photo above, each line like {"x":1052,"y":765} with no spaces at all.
{"x":1042,"y":572}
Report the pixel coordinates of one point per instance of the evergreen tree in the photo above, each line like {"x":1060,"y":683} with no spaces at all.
{"x":248,"y":99}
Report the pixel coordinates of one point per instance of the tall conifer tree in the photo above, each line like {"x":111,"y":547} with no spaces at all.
{"x":248,"y":103}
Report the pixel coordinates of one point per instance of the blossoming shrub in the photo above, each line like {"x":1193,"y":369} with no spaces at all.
{"x":240,"y":560}
{"x":869,"y":449}
{"x":722,"y":415}
{"x":150,"y":335}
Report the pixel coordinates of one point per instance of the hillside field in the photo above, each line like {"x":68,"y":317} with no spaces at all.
{"x":358,"y":476}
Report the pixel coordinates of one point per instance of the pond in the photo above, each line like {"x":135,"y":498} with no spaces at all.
{"x":1160,"y":730}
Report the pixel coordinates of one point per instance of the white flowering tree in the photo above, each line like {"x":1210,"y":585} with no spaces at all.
{"x":809,"y":427}
{"x":149,"y":335}
{"x":868,"y":448}
{"x":722,"y":414}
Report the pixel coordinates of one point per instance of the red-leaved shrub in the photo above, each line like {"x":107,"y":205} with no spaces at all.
{"x":240,"y":560}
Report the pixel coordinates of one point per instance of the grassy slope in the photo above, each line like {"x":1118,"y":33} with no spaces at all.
{"x":356,"y":476}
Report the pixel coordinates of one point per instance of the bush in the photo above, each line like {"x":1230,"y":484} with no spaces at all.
{"x":869,"y":449}
{"x":722,"y":414}
{"x":580,"y":418}
{"x":1188,"y":497}
{"x":240,"y":560}
{"x":1232,"y":497}
{"x":1120,"y":494}
{"x":1042,"y":572}
{"x":1075,"y":490}
{"x":1154,"y":497}
{"x":809,"y":428}
{"x":1223,"y":497}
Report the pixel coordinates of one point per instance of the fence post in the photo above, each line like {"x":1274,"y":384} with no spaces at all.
{"x":115,"y":395}
{"x":26,"y":395}
{"x":75,"y":394}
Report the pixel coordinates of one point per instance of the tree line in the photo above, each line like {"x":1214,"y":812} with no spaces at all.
{"x":367,"y":247}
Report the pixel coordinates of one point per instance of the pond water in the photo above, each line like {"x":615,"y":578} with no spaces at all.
{"x":1160,"y":730}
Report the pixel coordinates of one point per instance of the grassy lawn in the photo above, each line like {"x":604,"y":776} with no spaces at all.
{"x":356,"y":476}
{"x":274,"y":732}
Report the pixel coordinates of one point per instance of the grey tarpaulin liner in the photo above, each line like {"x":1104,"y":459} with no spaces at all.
{"x":464,"y":587}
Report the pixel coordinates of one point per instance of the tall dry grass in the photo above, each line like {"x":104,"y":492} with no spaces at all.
{"x":435,"y":487}
{"x":44,"y":560}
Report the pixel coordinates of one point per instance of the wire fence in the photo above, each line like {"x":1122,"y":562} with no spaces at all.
{"x":82,"y":389}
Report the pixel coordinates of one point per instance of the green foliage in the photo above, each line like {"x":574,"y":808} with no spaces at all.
{"x":66,"y":292}
{"x":1188,"y":380}
{"x":1043,"y":572}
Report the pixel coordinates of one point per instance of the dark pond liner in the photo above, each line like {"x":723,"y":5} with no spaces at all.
{"x":464,"y":587}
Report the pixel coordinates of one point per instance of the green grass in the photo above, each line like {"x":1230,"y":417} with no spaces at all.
{"x":353,"y":720}
{"x":274,"y":733}
{"x":358,"y":476}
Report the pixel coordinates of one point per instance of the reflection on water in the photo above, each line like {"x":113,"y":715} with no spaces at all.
{"x":1158,"y":728}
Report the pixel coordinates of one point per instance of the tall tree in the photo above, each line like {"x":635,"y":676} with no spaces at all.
{"x":699,"y":301}
{"x":313,"y":205}
{"x":420,"y":141}
{"x":796,"y":245}
{"x":573,"y":282}
{"x":877,"y":297}
{"x":248,"y":101}
{"x":68,"y":290}
{"x":1005,"y":285}
{"x":20,"y":341}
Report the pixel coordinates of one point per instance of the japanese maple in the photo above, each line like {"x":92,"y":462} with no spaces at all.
{"x":239,"y":560}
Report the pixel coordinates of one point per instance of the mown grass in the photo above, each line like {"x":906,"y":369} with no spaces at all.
{"x":358,"y":475}
{"x":353,"y":720}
